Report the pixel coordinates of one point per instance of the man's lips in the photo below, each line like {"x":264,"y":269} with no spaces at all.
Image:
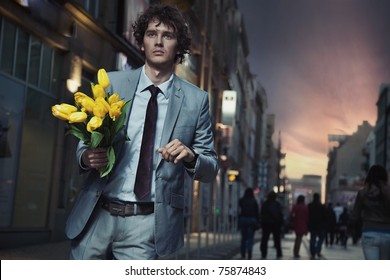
{"x":158,"y":52}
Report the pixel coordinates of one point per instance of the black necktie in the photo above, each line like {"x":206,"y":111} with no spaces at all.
{"x":145,"y":165}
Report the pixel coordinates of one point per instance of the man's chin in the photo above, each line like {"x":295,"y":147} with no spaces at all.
{"x":160,"y":64}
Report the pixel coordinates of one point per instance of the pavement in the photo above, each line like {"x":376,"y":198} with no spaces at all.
{"x":197,"y":246}
{"x":201,"y":247}
{"x":334,"y":252}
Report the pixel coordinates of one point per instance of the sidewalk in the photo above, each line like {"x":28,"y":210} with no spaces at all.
{"x":46,"y":251}
{"x":201,"y":247}
{"x":335,"y":252}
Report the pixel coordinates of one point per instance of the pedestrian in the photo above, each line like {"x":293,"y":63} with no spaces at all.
{"x":330,"y":225}
{"x":372,"y":209}
{"x":300,"y":217}
{"x":338,"y":209}
{"x":112,"y":218}
{"x":248,"y":221}
{"x":343,"y":224}
{"x":317,"y":225}
{"x":271,"y":217}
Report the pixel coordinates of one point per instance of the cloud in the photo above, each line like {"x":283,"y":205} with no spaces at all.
{"x":321,"y":64}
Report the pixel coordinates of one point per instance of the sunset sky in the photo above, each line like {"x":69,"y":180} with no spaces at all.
{"x":321,"y":63}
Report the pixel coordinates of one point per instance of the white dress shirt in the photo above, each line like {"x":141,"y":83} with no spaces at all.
{"x":135,"y":132}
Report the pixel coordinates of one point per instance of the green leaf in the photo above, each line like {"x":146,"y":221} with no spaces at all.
{"x":120,"y":121}
{"x":107,"y":136}
{"x":73,"y":130}
{"x":96,"y":138}
{"x":111,"y":161}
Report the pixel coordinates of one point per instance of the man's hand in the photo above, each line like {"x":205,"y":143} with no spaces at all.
{"x":175,"y":151}
{"x":95,"y":158}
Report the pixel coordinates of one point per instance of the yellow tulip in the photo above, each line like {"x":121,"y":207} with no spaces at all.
{"x":88,"y":103}
{"x":101,"y":107}
{"x":113,"y":98}
{"x":103,"y":79}
{"x":67,"y":108}
{"x":58,"y":114}
{"x":119,"y":104}
{"x":94,"y":123}
{"x":79,"y":97}
{"x":77,"y":117}
{"x":63,"y":111}
{"x":98,"y":91}
{"x":84,"y":100}
{"x":115,"y":111}
{"x":103,"y":102}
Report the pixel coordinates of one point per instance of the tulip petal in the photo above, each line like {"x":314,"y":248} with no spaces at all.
{"x":103,"y":79}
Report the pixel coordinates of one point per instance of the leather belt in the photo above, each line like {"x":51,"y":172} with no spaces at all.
{"x":125,"y":208}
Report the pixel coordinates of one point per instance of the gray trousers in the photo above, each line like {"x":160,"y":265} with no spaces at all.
{"x":115,"y":237}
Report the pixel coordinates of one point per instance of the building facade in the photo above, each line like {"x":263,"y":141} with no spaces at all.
{"x":347,"y":166}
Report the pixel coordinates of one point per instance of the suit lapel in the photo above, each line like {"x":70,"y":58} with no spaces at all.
{"x":130,"y":87}
{"x":174,"y":107}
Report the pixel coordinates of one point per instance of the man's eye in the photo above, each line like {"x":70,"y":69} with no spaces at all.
{"x":151,"y":34}
{"x":168,"y":36}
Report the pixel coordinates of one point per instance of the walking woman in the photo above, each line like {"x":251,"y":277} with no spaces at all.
{"x":300,"y":218}
{"x":372,"y":207}
{"x":248,"y":221}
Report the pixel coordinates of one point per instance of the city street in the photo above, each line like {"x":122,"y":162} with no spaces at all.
{"x":335,"y":252}
{"x":224,"y":250}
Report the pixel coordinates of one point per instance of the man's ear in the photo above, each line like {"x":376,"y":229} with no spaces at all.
{"x":142,"y":48}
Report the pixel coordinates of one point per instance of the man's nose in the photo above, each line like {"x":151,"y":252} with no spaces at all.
{"x":159,"y":40}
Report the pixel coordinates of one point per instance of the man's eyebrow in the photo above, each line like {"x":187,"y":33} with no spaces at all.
{"x":169,"y":33}
{"x":163,"y":32}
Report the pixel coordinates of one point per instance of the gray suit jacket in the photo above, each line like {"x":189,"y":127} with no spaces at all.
{"x":188,"y":120}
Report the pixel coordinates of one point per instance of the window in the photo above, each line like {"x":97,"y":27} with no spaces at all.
{"x":22,"y":55}
{"x":8,"y":33}
{"x":91,"y":6}
{"x":29,"y":84}
{"x":30,"y":57}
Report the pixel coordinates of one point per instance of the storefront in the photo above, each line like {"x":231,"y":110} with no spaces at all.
{"x":29,"y":82}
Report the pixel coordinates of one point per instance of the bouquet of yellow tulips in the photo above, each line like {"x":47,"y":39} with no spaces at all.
{"x":95,"y":121}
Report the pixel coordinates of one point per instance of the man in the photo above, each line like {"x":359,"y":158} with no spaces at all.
{"x":317,"y":225}
{"x":271,"y":223}
{"x":110,"y":218}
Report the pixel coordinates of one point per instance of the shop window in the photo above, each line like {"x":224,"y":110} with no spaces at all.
{"x":20,"y":51}
{"x":11,"y":114}
{"x":22,"y":55}
{"x":36,"y":162}
{"x":35,"y":59}
{"x":7,"y":47}
{"x":56,"y":73}
{"x":29,"y":85}
{"x":46,"y":68}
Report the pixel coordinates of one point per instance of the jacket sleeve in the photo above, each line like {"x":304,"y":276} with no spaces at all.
{"x":206,"y":167}
{"x":79,"y":152}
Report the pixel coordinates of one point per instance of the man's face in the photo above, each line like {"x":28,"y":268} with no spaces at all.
{"x":160,"y":44}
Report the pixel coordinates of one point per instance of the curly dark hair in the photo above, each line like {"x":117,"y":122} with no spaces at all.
{"x":170,"y":16}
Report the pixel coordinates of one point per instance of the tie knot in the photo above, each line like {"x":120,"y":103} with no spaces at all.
{"x":154,"y":90}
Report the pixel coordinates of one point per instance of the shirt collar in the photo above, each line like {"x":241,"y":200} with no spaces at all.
{"x":145,"y":82}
